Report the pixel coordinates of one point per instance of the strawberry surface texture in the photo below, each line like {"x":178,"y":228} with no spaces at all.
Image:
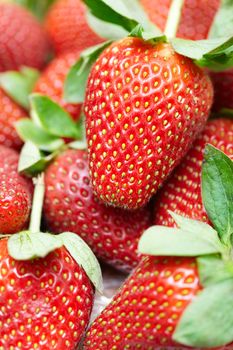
{"x":182,"y":192}
{"x":23,"y":41}
{"x":71,"y":206}
{"x":144,"y":106}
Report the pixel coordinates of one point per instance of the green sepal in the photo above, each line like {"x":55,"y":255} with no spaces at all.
{"x":33,"y":161}
{"x":213,"y":269}
{"x":27,"y":245}
{"x":38,"y":7}
{"x":29,"y":131}
{"x":228,"y":112}
{"x":223,"y":21}
{"x":217,"y":191}
{"x":153,"y":36}
{"x":127,"y":14}
{"x":19,"y":85}
{"x":52,"y":118}
{"x":78,"y":145}
{"x":166,"y":241}
{"x":76,"y":80}
{"x":208,"y":321}
{"x":84,"y":256}
{"x":212,"y":53}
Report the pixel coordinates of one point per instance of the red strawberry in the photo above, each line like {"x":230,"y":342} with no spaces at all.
{"x":45,"y":303}
{"x":70,"y":206}
{"x":196,"y":18}
{"x":68,"y":28}
{"x":52,"y":80}
{"x":10,"y":113}
{"x":145,"y":312}
{"x":22,"y":39}
{"x":144,"y":106}
{"x":15,"y":194}
{"x":223,"y":89}
{"x":182,"y":193}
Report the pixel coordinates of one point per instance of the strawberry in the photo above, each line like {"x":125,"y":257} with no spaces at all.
{"x":223,"y":89}
{"x":23,"y":41}
{"x":15,"y":194}
{"x":145,"y":311}
{"x":174,"y":301}
{"x":45,"y":303}
{"x":182,"y":192}
{"x":196,"y":18}
{"x":144,"y":106}
{"x":71,"y":206}
{"x":11,"y":112}
{"x":52,"y":80}
{"x":67,"y":26}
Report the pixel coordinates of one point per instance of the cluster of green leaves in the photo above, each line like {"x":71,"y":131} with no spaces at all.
{"x":44,"y":133}
{"x":117,"y":19}
{"x":213,"y":248}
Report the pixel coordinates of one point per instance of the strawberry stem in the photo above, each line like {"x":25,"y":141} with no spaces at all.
{"x":173,"y":18}
{"x":37,"y":205}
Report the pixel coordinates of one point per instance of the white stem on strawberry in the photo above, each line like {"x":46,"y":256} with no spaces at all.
{"x":37,"y":205}
{"x":173,"y":18}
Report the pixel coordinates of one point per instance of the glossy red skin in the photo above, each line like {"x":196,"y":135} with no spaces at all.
{"x":182,"y":192}
{"x":23,"y":42}
{"x":52,"y":80}
{"x":196,"y":17}
{"x":15,"y":194}
{"x":112,"y":234}
{"x":68,"y":28}
{"x":144,"y":107}
{"x":10,"y":113}
{"x":146,"y":310}
{"x":223,"y":90}
{"x":45,"y":304}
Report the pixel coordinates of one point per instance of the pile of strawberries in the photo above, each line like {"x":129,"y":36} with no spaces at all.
{"x":116,"y":144}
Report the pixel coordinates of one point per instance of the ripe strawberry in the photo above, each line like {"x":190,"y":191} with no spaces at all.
{"x":223,"y":89}
{"x":52,"y":80}
{"x":196,"y":18}
{"x":45,"y":303}
{"x":70,"y":206}
{"x":68,"y":28}
{"x":11,"y":112}
{"x":182,"y":193}
{"x":22,"y":39}
{"x":145,"y":312}
{"x":15,"y":194}
{"x":144,"y":106}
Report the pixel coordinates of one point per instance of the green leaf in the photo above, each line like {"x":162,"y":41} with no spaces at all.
{"x":217,"y":191}
{"x":127,"y":14}
{"x":208,"y":321}
{"x":160,"y":240}
{"x":84,"y":256}
{"x":29,"y":131}
{"x":27,"y":245}
{"x":38,"y":8}
{"x":228,"y":112}
{"x":32,"y":160}
{"x":213,"y":269}
{"x":198,"y":48}
{"x":223,"y":21}
{"x":152,"y":35}
{"x":78,"y":145}
{"x":219,"y":58}
{"x":18,"y":85}
{"x":52,"y":118}
{"x":187,"y":224}
{"x":75,"y":84}
{"x":105,"y":30}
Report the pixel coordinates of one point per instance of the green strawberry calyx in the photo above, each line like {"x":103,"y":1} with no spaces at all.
{"x":115,"y":20}
{"x":208,"y":320}
{"x":45,"y":132}
{"x":33,"y":243}
{"x":19,"y":84}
